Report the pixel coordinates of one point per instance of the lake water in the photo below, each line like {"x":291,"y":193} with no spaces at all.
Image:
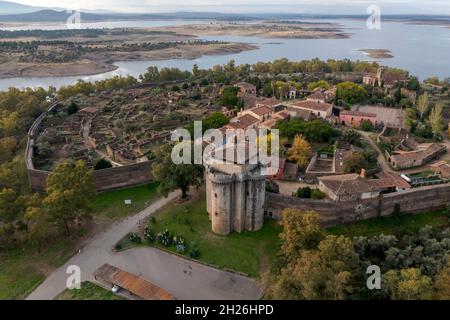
{"x":423,"y":50}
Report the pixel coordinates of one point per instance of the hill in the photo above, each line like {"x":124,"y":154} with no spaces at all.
{"x":7,"y":7}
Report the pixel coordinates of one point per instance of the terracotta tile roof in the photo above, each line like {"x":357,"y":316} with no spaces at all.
{"x":268,"y":101}
{"x":132,"y":283}
{"x":301,"y":113}
{"x":314,"y":105}
{"x":347,"y":184}
{"x":389,"y":180}
{"x":423,"y":151}
{"x":246,"y":120}
{"x":443,"y":169}
{"x":234,"y":126}
{"x":261,"y":111}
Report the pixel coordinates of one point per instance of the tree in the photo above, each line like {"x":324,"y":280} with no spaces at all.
{"x":301,"y":231}
{"x":318,"y":84}
{"x":442,"y":284}
{"x":407,"y":284}
{"x":355,"y":162}
{"x":352,"y":137}
{"x":70,"y":191}
{"x":366,"y":125}
{"x":314,"y":131}
{"x":175,"y":176}
{"x":102,"y":164}
{"x":38,"y":225}
{"x":423,"y":104}
{"x":300,"y":151}
{"x":351,"y":93}
{"x":435,"y":118}
{"x":229,"y":97}
{"x":321,"y":273}
{"x":9,"y":208}
{"x":72,"y":108}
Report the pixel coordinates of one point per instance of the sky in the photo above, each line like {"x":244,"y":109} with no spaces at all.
{"x":253,"y":6}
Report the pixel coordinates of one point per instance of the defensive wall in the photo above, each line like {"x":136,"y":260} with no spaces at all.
{"x":333,"y":213}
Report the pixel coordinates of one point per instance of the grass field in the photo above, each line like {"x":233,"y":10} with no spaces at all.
{"x":111,"y":205}
{"x":88,"y":291}
{"x":22,"y":268}
{"x":248,"y":252}
{"x":397,"y":225}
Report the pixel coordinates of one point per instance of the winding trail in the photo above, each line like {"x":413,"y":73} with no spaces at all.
{"x":182,"y":278}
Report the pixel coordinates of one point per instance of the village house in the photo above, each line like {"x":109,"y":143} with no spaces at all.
{"x":352,"y":187}
{"x":323,"y":96}
{"x":298,"y":113}
{"x":421,"y":155}
{"x":272,"y":103}
{"x":317,"y":108}
{"x":347,"y":187}
{"x":246,"y":88}
{"x":244,"y":122}
{"x":443,"y":169}
{"x":272,"y":121}
{"x":262,"y":113}
{"x":355,"y":118}
{"x":247,"y":93}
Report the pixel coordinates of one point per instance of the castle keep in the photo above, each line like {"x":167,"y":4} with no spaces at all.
{"x":235,"y":197}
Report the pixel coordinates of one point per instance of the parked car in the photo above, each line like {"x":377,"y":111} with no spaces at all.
{"x":115,"y":289}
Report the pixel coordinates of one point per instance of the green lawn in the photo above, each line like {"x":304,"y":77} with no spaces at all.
{"x":111,"y":205}
{"x":88,"y":291}
{"x":248,"y":252}
{"x":22,"y":268}
{"x":393,"y":225}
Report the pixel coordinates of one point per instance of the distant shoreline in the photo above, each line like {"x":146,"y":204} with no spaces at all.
{"x":378,"y":53}
{"x":102,"y":63}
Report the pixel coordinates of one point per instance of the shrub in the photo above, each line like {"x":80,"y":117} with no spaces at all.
{"x":164,"y":238}
{"x":181,"y":248}
{"x":304,"y":193}
{"x":272,"y":187}
{"x":366,"y":125}
{"x":194,"y":253}
{"x":118,"y":247}
{"x":150,"y":236}
{"x":134,"y":237}
{"x":317,"y":194}
{"x":102,"y":164}
{"x":72,"y":108}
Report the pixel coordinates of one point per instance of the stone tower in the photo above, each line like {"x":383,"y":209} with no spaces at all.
{"x":235,"y":196}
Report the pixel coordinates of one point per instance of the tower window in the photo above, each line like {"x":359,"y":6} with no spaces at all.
{"x":215,"y":195}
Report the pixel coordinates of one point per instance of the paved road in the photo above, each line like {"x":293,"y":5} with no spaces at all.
{"x":182,"y":278}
